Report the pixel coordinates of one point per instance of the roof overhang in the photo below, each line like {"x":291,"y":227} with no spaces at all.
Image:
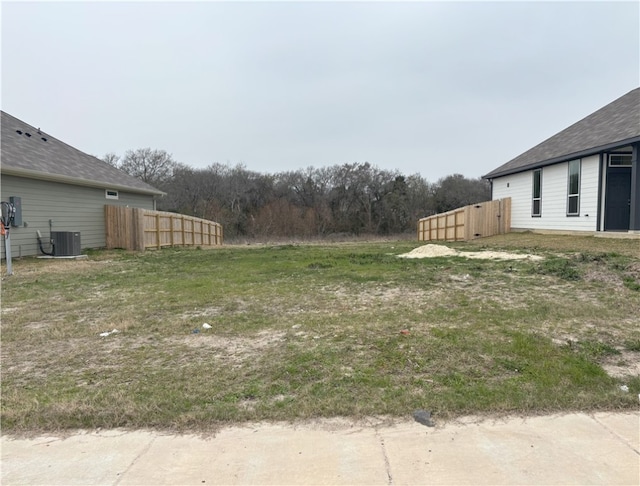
{"x":76,"y":181}
{"x":563,"y":158}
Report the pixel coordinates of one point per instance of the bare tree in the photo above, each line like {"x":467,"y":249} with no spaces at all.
{"x":154,"y":167}
{"x":356,"y":198}
{"x":112,"y":159}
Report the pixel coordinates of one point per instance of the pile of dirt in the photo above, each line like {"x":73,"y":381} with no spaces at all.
{"x":431,"y":251}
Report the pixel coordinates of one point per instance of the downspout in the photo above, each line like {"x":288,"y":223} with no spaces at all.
{"x":601,"y":189}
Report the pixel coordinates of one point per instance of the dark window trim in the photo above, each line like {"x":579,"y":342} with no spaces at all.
{"x":576,"y":195}
{"x":533,"y":194}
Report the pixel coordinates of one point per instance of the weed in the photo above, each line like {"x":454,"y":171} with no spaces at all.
{"x":597,"y":349}
{"x":631,"y":283}
{"x":633,"y":382}
{"x":632,"y":345}
{"x":559,"y":267}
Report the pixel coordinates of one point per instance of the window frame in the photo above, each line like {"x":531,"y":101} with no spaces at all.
{"x":574,"y":195}
{"x":114,"y":194}
{"x":620,"y":154}
{"x":537,"y":198}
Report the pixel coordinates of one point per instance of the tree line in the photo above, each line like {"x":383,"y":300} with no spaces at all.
{"x":351,"y":198}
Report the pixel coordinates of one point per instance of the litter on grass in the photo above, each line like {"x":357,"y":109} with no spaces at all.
{"x":423,"y":417}
{"x":206,"y":326}
{"x":105,"y":334}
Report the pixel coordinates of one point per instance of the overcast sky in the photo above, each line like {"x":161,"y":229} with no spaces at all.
{"x":423,"y":87}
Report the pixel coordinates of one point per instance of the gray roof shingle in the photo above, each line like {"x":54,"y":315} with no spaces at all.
{"x":616,"y":124}
{"x":29,"y":152}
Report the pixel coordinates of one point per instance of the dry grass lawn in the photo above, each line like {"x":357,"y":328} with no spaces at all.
{"x":319,"y":330}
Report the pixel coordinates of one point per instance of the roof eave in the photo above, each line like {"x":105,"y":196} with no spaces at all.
{"x":76,"y":181}
{"x":563,"y":158}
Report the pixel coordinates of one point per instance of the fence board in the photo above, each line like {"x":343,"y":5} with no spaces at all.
{"x":467,"y":223}
{"x":138,"y":229}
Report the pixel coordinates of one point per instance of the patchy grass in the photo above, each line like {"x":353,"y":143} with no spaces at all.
{"x":301,"y":331}
{"x":589,"y":245}
{"x":632,"y":345}
{"x":560,"y":267}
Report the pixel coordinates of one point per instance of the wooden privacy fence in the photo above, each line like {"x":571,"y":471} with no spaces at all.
{"x":139,"y":229}
{"x":467,"y":223}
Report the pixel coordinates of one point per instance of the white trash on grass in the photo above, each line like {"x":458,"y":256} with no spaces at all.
{"x":206,"y":325}
{"x":105,"y":334}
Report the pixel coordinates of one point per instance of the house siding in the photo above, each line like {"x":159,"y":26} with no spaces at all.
{"x":554,"y":197}
{"x":70,"y":207}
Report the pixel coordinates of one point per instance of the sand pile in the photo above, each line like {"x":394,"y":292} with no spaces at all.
{"x":431,"y":251}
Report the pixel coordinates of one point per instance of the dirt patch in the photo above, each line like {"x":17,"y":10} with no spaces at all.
{"x":202,"y":312}
{"x":604,"y":276}
{"x":34,"y":267}
{"x":622,"y":364}
{"x":633,"y":270}
{"x":627,"y":363}
{"x":348,"y":299}
{"x":432,"y":251}
{"x":236,"y":349}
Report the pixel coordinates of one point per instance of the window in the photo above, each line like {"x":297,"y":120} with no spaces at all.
{"x":573,"y":190}
{"x":536,"y":198}
{"x":620,"y":160}
{"x":109,"y":194}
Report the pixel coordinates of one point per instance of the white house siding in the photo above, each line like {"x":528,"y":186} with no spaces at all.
{"x":70,"y":207}
{"x":554,"y":197}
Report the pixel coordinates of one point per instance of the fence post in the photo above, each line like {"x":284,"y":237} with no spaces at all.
{"x":137,"y":233}
{"x":108,"y":224}
{"x":158,"y":230}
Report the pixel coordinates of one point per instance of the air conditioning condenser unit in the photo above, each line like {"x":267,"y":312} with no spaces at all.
{"x":66,"y":243}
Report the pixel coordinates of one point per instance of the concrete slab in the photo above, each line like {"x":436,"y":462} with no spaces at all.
{"x":569,"y":449}
{"x":66,"y":257}
{"x":559,"y":449}
{"x":263,"y":454}
{"x":81,"y":459}
{"x":624,"y":426}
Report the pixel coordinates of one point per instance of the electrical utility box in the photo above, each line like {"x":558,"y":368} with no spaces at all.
{"x":66,"y":243}
{"x":17,"y":204}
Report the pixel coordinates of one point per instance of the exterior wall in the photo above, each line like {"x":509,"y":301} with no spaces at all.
{"x":71,"y":208}
{"x":519,"y":188}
